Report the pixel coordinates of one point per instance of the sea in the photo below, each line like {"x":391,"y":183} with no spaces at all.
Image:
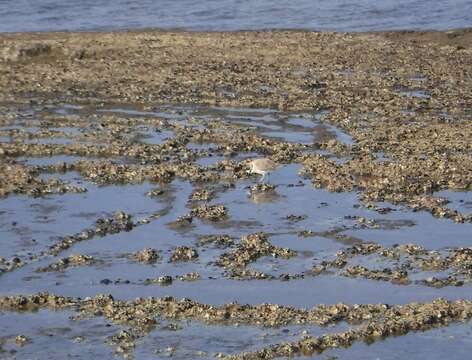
{"x":233,"y":15}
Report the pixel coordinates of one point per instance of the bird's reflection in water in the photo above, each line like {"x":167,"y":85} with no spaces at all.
{"x":261,"y":197}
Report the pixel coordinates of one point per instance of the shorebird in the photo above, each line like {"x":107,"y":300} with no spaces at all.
{"x":262,"y":167}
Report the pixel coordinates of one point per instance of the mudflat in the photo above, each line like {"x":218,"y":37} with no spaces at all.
{"x":124,"y":161}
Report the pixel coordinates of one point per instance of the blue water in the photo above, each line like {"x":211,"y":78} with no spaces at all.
{"x":338,"y":15}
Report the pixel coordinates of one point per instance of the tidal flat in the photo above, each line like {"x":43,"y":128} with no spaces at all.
{"x":130,"y":226}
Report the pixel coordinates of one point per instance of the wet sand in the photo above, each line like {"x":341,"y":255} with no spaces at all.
{"x":123,"y":171}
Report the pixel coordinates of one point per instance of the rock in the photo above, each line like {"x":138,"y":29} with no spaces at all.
{"x":210,"y":212}
{"x":148,"y":256}
{"x":21,"y":340}
{"x":184,"y":253}
{"x":189,"y":277}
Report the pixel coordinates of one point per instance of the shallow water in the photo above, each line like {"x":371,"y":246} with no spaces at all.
{"x":453,"y":343}
{"x":458,"y":200}
{"x":29,"y":225}
{"x":359,"y":15}
{"x":76,"y":339}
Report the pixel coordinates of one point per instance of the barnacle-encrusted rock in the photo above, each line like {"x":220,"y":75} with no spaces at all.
{"x":394,"y":321}
{"x":407,"y":258}
{"x":251,"y":248}
{"x":328,"y":174}
{"x":12,"y":264}
{"x":218,"y":240}
{"x":155,"y":192}
{"x":201,"y":195}
{"x":103,"y":226}
{"x":296,"y":218}
{"x":70,"y":261}
{"x":184,"y":253}
{"x":124,"y":341}
{"x":22,"y":180}
{"x":181,"y":222}
{"x":163,"y":280}
{"x":140,"y":313}
{"x":397,"y":277}
{"x":439,"y":283}
{"x":21,"y":340}
{"x":147,"y":255}
{"x":189,"y":276}
{"x":210,"y":212}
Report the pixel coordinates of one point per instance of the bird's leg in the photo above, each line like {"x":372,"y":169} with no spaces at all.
{"x":262,"y":178}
